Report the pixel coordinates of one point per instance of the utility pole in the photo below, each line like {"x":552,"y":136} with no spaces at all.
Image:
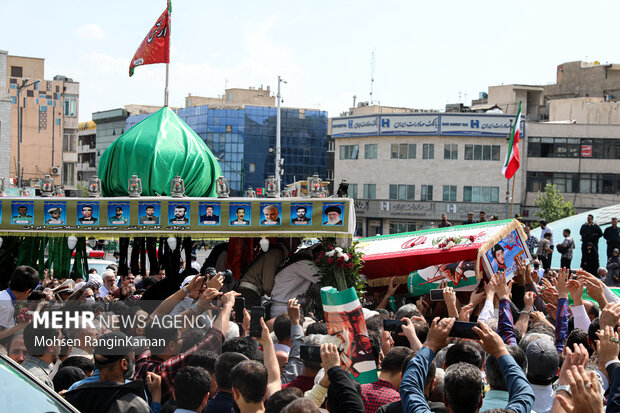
{"x":278,"y":137}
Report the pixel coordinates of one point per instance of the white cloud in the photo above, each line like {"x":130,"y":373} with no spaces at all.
{"x":90,"y":31}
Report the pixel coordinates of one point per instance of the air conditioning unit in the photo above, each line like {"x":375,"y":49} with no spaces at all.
{"x":55,"y":170}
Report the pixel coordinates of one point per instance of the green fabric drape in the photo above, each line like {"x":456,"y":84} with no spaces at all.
{"x":157,"y":149}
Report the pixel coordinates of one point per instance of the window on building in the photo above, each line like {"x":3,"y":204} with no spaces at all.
{"x":449,"y":192}
{"x":252,"y":167}
{"x":403,"y":151}
{"x":70,"y":107}
{"x":349,"y":151}
{"x":352,"y":191}
{"x":370,"y":151}
{"x":402,"y":192}
{"x":68,"y":143}
{"x":67,"y":174}
{"x":482,"y":152}
{"x":17,"y":71}
{"x":331,"y":146}
{"x":427,"y":193}
{"x":488,"y":194}
{"x":428,"y":151}
{"x":330,"y":174}
{"x":370,"y":191}
{"x":549,"y":147}
{"x":400,"y":227}
{"x":228,"y":128}
{"x":584,"y":183}
{"x":450,"y":151}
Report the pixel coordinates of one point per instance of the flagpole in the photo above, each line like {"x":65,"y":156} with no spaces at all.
{"x":166,"y":90}
{"x":508,"y":179}
{"x":512,"y":197}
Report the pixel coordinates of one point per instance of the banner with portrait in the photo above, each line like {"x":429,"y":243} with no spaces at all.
{"x":206,"y":218}
{"x":345,"y":320}
{"x":500,"y":253}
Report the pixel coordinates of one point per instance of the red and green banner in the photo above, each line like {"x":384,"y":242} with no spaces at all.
{"x":345,"y":320}
{"x":459,"y":275}
{"x":155,"y":48}
{"x":513,"y":160}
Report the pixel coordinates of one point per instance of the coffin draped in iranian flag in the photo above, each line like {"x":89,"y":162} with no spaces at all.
{"x":459,"y":254}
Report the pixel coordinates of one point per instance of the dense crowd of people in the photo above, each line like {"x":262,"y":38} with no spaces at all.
{"x":545,"y":341}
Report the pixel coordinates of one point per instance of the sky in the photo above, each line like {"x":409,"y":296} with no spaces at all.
{"x":427,"y":54}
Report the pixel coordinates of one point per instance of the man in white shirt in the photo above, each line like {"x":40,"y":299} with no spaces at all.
{"x":293,"y":280}
{"x":544,"y":228}
{"x":109,"y":285}
{"x":23,"y":280}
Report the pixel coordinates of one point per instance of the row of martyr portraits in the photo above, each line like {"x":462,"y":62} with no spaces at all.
{"x":179,"y":213}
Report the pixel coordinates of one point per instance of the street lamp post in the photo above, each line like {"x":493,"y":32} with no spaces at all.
{"x":24,"y":84}
{"x":278,"y":137}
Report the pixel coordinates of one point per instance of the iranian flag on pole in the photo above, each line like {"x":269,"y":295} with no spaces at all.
{"x":155,"y":48}
{"x":512,"y":154}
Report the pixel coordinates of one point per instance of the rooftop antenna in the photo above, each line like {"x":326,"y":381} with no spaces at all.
{"x":372,"y":75}
{"x":354,"y":99}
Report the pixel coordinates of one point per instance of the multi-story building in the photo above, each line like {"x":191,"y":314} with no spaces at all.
{"x":5,"y":120}
{"x":573,"y":132}
{"x":569,"y":138}
{"x":49,"y":124}
{"x":242,"y":136}
{"x":407,"y":169}
{"x":87,"y":153}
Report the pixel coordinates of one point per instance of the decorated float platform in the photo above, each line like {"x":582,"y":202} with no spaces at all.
{"x":461,"y":255}
{"x":199,"y":218}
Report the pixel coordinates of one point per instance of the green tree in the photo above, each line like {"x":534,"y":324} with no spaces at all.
{"x":552,"y":205}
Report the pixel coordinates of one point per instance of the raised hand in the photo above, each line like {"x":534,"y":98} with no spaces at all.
{"x":409,"y":332}
{"x":329,"y":356}
{"x":595,"y":289}
{"x":561,"y":283}
{"x":393,"y":286}
{"x":549,"y":293}
{"x":153,"y":383}
{"x":489,"y":289}
{"x":217,"y":281}
{"x":551,"y":310}
{"x":491,"y":342}
{"x":438,"y":334}
{"x":610,"y":315}
{"x":477,"y":297}
{"x":499,"y":284}
{"x":294,"y":311}
{"x":528,"y":300}
{"x":575,"y":289}
{"x":449,"y":296}
{"x":608,"y":345}
{"x":204,"y":301}
{"x":585,"y":392}
{"x":195,"y":284}
{"x":466,"y":311}
{"x":423,"y":307}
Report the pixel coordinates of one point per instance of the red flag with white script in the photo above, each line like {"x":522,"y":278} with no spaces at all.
{"x":155,"y":47}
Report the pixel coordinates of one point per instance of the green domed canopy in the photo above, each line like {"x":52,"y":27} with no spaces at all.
{"x":157,"y":149}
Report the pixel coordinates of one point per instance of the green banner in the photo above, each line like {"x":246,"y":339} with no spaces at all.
{"x":345,"y":320}
{"x":214,"y":218}
{"x":459,"y":275}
